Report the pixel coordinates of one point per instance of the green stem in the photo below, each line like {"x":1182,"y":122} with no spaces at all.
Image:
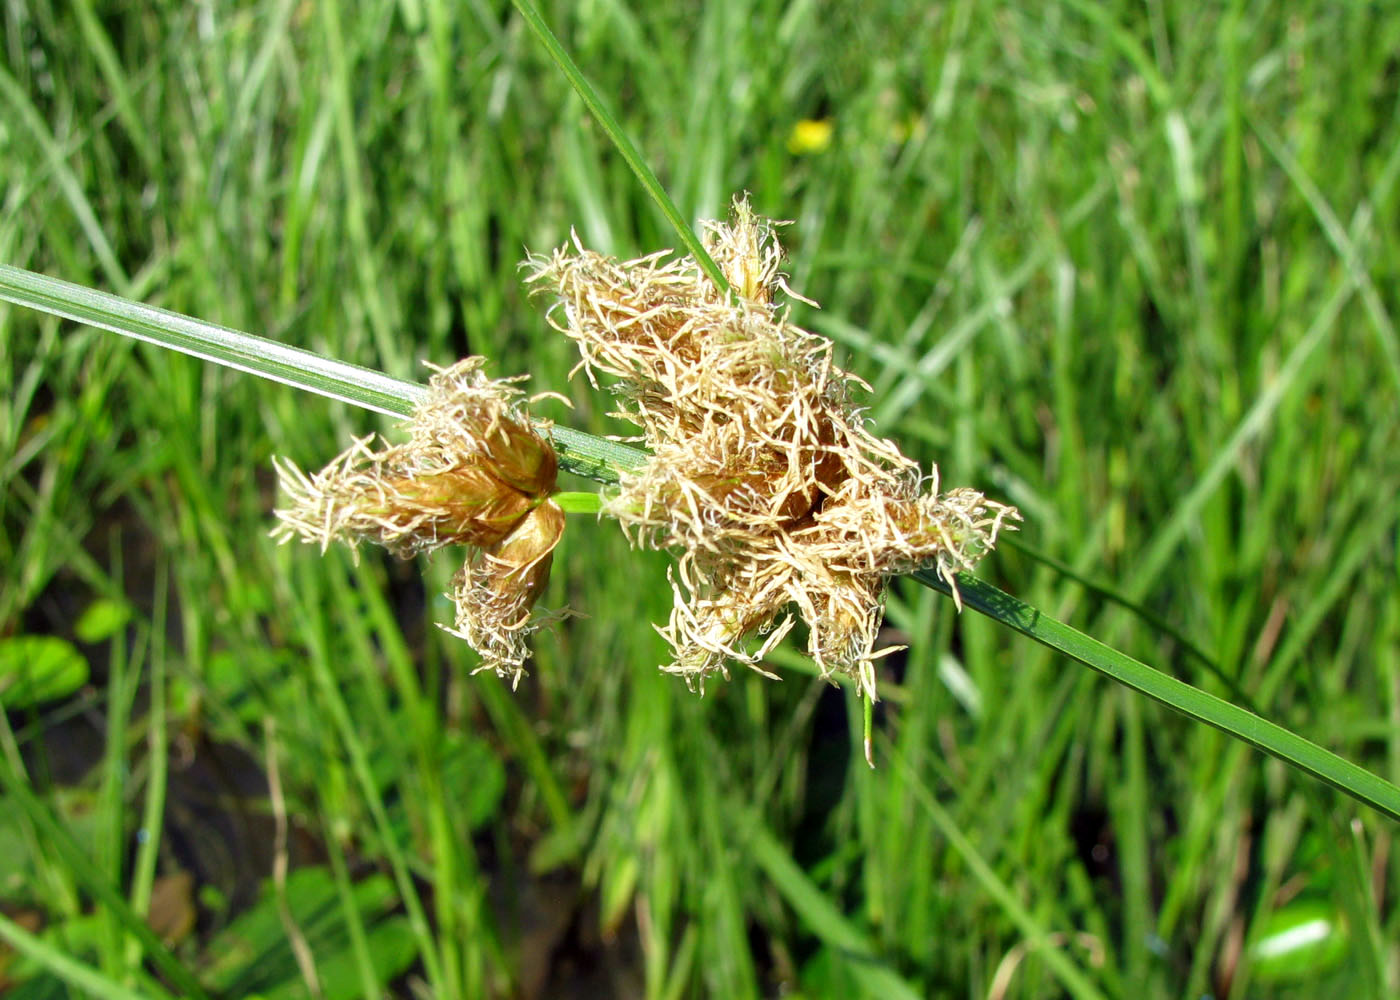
{"x":1260,"y":733}
{"x":578,"y":503}
{"x":624,"y":145}
{"x":582,"y":454}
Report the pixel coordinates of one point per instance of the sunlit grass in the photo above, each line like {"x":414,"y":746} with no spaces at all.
{"x":1087,"y":258}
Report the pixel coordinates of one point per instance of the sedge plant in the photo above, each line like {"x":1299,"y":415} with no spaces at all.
{"x":365,"y":493}
{"x":620,"y":470}
{"x":761,"y":472}
{"x":471,"y":432}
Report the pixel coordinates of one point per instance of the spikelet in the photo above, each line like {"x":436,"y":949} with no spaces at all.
{"x":764,"y":478}
{"x":496,"y":588}
{"x":475,"y":471}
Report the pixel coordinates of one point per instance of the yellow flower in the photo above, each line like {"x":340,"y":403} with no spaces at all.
{"x":810,"y":135}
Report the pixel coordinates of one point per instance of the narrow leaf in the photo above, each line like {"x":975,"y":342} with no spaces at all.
{"x":1273,"y":739}
{"x":625,"y":146}
{"x":272,"y":360}
{"x":582,"y":454}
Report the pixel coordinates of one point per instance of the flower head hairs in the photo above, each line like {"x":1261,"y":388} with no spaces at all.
{"x":763,"y":476}
{"x":475,"y":471}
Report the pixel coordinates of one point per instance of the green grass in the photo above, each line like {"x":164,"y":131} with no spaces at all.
{"x":1131,"y":267}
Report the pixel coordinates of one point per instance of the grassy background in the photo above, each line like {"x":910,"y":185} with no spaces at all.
{"x":1132,"y":267}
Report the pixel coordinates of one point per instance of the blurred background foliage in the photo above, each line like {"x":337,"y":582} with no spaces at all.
{"x":1132,"y":267}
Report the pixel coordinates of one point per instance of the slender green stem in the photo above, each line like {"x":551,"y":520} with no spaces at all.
{"x":257,"y":355}
{"x":582,"y":454}
{"x":1273,"y":739}
{"x":578,"y":503}
{"x":593,"y":457}
{"x":143,"y":870}
{"x":609,"y":123}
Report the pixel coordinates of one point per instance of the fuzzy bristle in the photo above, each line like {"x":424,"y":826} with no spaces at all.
{"x":764,"y":478}
{"x":475,"y":471}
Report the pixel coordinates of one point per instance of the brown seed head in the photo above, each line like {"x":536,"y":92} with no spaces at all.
{"x":475,"y":471}
{"x":498,"y":586}
{"x":764,"y":476}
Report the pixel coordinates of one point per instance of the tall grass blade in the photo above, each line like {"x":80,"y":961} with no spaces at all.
{"x":1070,"y":975}
{"x":96,"y":882}
{"x":83,"y":978}
{"x":819,"y":915}
{"x":624,"y":145}
{"x":579,"y":453}
{"x":257,"y":355}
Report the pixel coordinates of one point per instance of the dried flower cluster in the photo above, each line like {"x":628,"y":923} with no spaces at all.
{"x":475,"y":471}
{"x":763,"y":475}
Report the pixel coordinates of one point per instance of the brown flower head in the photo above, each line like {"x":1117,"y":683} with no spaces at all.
{"x":475,"y":471}
{"x":763,"y":475}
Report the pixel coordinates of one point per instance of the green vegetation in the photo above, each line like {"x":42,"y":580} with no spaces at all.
{"x":1131,"y":269}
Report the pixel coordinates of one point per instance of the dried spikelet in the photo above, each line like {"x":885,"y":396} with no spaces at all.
{"x":763,"y":477}
{"x":498,"y":586}
{"x":475,"y":471}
